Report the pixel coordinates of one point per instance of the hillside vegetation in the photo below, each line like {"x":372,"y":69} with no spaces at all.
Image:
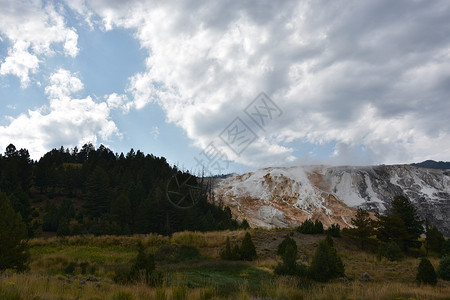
{"x":85,"y":267}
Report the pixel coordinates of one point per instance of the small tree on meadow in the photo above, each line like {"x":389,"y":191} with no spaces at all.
{"x":248,"y":250}
{"x":144,"y":264}
{"x":326,"y":263}
{"x":426,"y":273}
{"x":287,"y":249}
{"x":227,"y":253}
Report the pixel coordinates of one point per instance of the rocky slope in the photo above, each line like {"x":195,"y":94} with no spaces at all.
{"x":280,"y":197}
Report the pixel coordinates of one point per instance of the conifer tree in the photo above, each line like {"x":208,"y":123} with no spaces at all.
{"x":248,"y":250}
{"x":426,"y":273}
{"x":13,"y":232}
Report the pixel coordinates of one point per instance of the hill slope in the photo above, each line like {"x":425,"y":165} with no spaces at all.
{"x":279,"y":197}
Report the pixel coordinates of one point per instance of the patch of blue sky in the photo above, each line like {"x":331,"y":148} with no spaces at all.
{"x":107,"y":60}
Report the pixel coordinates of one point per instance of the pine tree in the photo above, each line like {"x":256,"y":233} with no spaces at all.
{"x":401,"y":206}
{"x":287,"y":249}
{"x":363,"y":228}
{"x":326,"y":264}
{"x":426,"y":273}
{"x":13,"y":232}
{"x":248,"y":250}
{"x":443,"y":270}
{"x":282,"y":246}
{"x":227,"y":254}
{"x":144,"y":264}
{"x":434,"y":239}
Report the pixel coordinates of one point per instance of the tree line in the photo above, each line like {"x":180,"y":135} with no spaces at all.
{"x":96,"y":191}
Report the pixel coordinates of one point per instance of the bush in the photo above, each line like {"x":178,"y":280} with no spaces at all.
{"x":84,"y":266}
{"x":310,"y":227}
{"x":426,"y":273}
{"x":326,"y":264}
{"x":443,"y":270}
{"x":70,"y":268}
{"x":248,"y":250}
{"x":334,"y":230}
{"x":391,"y":251}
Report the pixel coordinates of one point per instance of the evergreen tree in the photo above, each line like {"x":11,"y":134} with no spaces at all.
{"x":334,"y":230}
{"x":443,"y":270}
{"x":143,"y":265}
{"x":445,"y":249}
{"x":97,"y":193}
{"x":227,"y":254}
{"x":248,"y":250}
{"x":244,"y":225}
{"x":426,"y":273}
{"x":326,"y":264}
{"x":310,"y":227}
{"x":434,"y":239}
{"x":363,"y":228}
{"x":287,"y":249}
{"x":401,"y":206}
{"x":282,"y":246}
{"x":392,"y":229}
{"x":13,"y":232}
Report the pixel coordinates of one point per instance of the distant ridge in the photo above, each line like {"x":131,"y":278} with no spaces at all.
{"x":431,"y":164}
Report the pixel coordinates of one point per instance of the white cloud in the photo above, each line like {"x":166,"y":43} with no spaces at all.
{"x":33,"y":29}
{"x":116,"y":101}
{"x":356,"y":73}
{"x":63,"y":84}
{"x":66,"y":121}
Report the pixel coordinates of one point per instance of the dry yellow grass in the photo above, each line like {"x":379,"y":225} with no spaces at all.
{"x":392,"y":280}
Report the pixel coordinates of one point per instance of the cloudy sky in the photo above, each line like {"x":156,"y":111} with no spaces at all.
{"x":258,"y":83}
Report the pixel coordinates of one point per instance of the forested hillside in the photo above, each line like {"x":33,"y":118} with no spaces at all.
{"x":97,"y":191}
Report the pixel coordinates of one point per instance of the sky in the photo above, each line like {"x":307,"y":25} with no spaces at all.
{"x":229,"y":86}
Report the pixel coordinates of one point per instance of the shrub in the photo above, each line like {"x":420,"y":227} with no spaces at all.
{"x":84,"y":266}
{"x":326,"y":264}
{"x":391,"y":251}
{"x":70,"y":268}
{"x":443,"y":270}
{"x":426,"y":273}
{"x":248,"y":250}
{"x":334,"y":230}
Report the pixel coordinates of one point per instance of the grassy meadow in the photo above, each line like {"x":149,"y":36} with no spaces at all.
{"x":84,"y":267}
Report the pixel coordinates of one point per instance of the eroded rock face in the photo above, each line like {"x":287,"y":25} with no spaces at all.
{"x":283,"y":197}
